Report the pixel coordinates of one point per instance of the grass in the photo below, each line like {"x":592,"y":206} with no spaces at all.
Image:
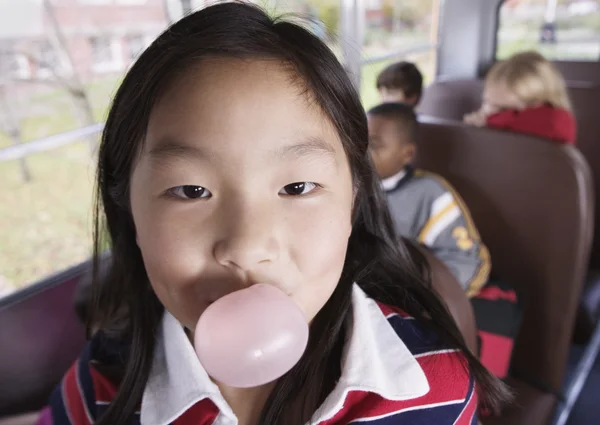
{"x":46,"y":223}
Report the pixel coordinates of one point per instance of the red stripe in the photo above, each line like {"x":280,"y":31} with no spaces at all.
{"x":448,"y":381}
{"x":104,"y":390}
{"x":493,"y":293}
{"x":496,"y":351}
{"x":466,"y":417}
{"x":387,"y":310}
{"x":202,"y":413}
{"x":74,"y":400}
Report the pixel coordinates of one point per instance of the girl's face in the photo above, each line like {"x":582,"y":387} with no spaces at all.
{"x":242,"y":179}
{"x":497,"y":97}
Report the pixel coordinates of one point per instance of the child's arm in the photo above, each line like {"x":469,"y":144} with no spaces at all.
{"x":450,"y":234}
{"x":477,"y":118}
{"x":544,"y":121}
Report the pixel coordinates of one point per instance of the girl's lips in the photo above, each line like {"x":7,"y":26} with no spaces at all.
{"x":215,"y":296}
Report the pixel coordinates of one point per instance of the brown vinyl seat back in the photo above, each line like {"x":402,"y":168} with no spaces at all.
{"x":586,"y":102}
{"x":40,"y":337}
{"x":533,"y":203}
{"x":579,"y":70}
{"x":453,"y":294}
{"x":450,"y":292}
{"x":451,"y":99}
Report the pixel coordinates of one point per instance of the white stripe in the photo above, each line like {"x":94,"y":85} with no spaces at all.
{"x":389,"y":316}
{"x":107,"y":403}
{"x":465,"y":408}
{"x":441,"y":225}
{"x":440,"y":203}
{"x":432,"y":353}
{"x":83,"y":399}
{"x":409,"y":409}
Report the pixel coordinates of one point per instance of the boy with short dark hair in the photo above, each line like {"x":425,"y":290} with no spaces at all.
{"x":401,"y":82}
{"x":423,"y":205}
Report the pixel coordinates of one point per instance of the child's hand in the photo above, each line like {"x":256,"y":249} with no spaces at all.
{"x":477,"y":118}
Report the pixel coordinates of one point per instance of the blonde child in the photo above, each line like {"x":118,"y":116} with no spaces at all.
{"x":526,"y":94}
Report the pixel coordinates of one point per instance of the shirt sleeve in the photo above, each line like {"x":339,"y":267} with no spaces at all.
{"x":450,"y":234}
{"x":546,"y":122}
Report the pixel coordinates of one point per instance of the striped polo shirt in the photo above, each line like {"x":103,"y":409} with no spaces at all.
{"x":394,"y":371}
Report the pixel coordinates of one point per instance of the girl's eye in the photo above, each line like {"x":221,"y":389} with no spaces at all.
{"x":190,"y":192}
{"x":297,"y":189}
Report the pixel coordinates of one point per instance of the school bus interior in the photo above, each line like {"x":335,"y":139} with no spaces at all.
{"x":543,"y":237}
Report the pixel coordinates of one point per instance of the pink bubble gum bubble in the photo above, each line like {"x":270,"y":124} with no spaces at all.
{"x":251,"y":337}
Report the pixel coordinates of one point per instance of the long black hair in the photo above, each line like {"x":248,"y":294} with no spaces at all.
{"x":125,"y":303}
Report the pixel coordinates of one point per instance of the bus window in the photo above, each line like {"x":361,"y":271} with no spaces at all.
{"x":394,"y":31}
{"x":60,"y":63}
{"x":559,"y":29}
{"x":321,"y":17}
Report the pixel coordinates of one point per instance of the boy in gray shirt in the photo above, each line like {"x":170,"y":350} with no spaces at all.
{"x":424,"y":206}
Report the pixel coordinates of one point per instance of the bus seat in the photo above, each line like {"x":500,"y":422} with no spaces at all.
{"x":580,"y":70}
{"x":40,"y":338}
{"x":533,"y":204}
{"x":25,"y":419}
{"x":585,"y":101}
{"x":452,"y":293}
{"x":451,"y":99}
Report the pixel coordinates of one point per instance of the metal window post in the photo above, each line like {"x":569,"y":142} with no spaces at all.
{"x":186,"y":7}
{"x":352,"y":18}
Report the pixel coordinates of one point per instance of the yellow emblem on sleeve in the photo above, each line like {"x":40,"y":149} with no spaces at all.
{"x":463,"y":240}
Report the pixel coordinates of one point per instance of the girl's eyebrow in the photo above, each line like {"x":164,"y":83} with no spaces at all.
{"x":169,"y":148}
{"x":309,"y":146}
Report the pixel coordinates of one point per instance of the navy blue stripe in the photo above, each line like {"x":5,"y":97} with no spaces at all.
{"x":416,"y":337}
{"x":446,"y":415}
{"x":86,"y":382}
{"x":59,"y":411}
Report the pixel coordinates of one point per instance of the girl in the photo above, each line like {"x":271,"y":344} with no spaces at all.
{"x":235,"y":152}
{"x":526,"y":94}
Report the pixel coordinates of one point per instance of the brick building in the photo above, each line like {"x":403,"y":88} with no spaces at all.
{"x":102,"y":36}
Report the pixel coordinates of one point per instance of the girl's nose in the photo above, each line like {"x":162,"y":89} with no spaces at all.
{"x":247,"y":242}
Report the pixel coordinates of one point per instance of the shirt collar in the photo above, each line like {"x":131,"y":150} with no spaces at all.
{"x":375,"y":360}
{"x":391,"y":182}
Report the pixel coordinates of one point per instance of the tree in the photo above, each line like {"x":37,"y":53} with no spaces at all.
{"x":411,"y":13}
{"x":74,"y":85}
{"x":9,"y":124}
{"x":70,"y":82}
